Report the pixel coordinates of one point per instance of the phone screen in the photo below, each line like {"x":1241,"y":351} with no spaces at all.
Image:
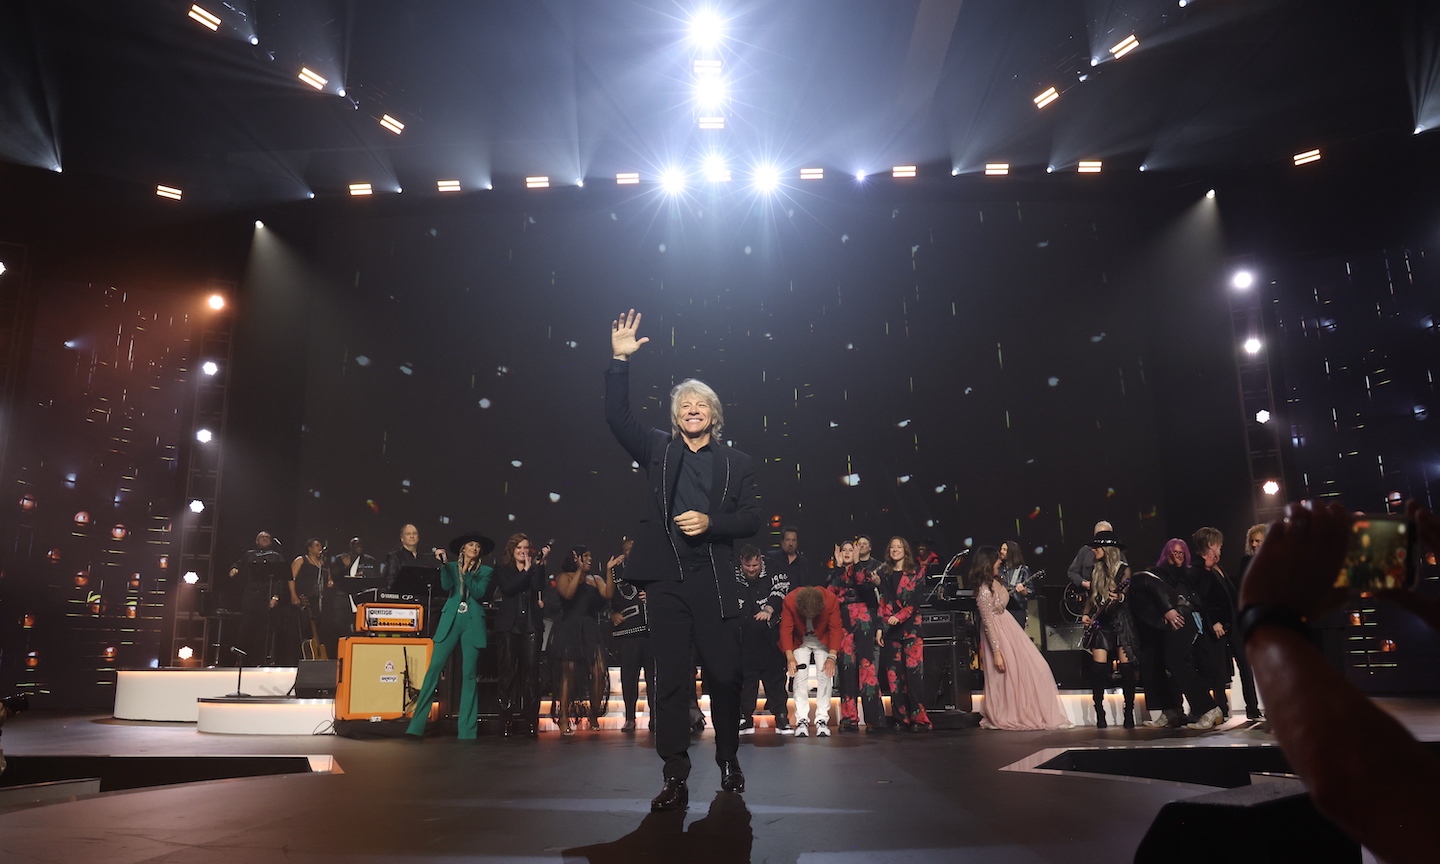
{"x":1380,"y":556}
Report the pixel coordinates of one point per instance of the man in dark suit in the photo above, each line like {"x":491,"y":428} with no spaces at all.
{"x":702,"y":500}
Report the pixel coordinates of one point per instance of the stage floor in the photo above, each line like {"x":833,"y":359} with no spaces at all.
{"x":945,"y":796}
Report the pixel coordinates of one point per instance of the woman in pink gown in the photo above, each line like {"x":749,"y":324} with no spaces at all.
{"x":1020,"y":689}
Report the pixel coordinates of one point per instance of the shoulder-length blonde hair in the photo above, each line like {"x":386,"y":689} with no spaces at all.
{"x":1102,"y":575}
{"x":696,"y":387}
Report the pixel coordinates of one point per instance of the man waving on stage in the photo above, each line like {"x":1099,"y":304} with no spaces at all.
{"x":703,"y":499}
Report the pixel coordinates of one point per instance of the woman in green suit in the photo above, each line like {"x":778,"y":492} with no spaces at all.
{"x":462,"y":621}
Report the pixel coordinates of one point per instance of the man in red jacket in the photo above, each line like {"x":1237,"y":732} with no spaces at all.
{"x":810,"y":634}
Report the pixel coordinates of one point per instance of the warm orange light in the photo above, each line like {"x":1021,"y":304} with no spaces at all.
{"x":217,"y":302}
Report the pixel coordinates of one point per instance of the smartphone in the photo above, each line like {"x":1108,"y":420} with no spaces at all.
{"x":1382,"y":554}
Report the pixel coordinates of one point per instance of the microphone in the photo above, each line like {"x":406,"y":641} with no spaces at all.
{"x":235,"y":650}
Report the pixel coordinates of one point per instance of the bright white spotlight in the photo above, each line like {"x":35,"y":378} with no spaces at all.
{"x":710,"y":92}
{"x":191,"y":577}
{"x":197,"y":506}
{"x":392,"y":124}
{"x":259,"y":224}
{"x":672,"y":180}
{"x":312,"y":79}
{"x":254,"y":40}
{"x":210,"y":367}
{"x":1307,"y":157}
{"x":1210,"y":194}
{"x":1270,"y":488}
{"x":309,"y":194}
{"x":204,"y":436}
{"x":1045,"y":98}
{"x":767,"y":177}
{"x":707,"y":28}
{"x":954,"y":172}
{"x":217,"y":302}
{"x":860,"y":176}
{"x":2,"y":268}
{"x":716,"y":171}
{"x":1124,"y":46}
{"x":1144,"y":167}
{"x":171,"y":192}
{"x":1262,"y":416}
{"x":1242,"y":279}
{"x":205,"y":17}
{"x":185,"y":652}
{"x":1252,"y":345}
{"x":341,"y":94}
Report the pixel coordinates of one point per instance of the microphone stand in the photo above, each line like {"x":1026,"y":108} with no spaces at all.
{"x":239,"y":670}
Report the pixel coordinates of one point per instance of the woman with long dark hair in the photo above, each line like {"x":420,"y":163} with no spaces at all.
{"x":1020,"y":689}
{"x":1014,"y":572}
{"x":904,"y":650}
{"x":520,"y":580}
{"x":575,"y":651}
{"x":462,"y":622}
{"x":1109,"y":628}
{"x":858,"y":590}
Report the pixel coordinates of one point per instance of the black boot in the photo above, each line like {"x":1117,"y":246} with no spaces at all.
{"x":1101,"y":671}
{"x":1127,"y":684}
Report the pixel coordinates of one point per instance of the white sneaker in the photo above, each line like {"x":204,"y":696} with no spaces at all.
{"x":802,"y":729}
{"x":1209,"y":720}
{"x":822,"y":729}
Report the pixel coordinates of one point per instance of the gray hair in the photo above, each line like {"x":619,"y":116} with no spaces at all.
{"x":696,"y":387}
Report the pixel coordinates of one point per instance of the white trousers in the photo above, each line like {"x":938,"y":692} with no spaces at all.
{"x":810,"y":660}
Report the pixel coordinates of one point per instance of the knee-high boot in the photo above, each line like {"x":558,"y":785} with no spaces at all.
{"x":1101,"y":674}
{"x":1127,"y":683}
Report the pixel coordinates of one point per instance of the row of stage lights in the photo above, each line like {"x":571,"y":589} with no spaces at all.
{"x":1244,"y":280}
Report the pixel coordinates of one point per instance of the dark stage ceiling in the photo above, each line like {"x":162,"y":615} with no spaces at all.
{"x":495,"y":91}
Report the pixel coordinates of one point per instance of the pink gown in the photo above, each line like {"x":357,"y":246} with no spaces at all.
{"x":1023,"y":697}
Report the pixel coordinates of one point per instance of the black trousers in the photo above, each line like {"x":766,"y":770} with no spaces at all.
{"x":635,"y":655}
{"x":255,"y":635}
{"x":1247,"y":678}
{"x":1178,"y":649}
{"x":519,"y":666}
{"x":685,"y":621}
{"x":775,"y":694}
{"x":1159,"y":695}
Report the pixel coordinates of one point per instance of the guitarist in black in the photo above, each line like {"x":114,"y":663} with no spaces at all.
{"x":1016,"y":575}
{"x":1109,"y":629}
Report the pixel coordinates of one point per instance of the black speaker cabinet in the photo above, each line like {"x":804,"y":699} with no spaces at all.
{"x":317,"y":679}
{"x":948,"y":681}
{"x":1276,"y":820}
{"x":1069,"y":668}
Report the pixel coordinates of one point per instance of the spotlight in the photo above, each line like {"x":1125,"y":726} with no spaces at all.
{"x":812,"y":173}
{"x":630,"y":178}
{"x":392,"y":124}
{"x":197,"y":506}
{"x":254,"y":40}
{"x":900,"y":171}
{"x":1050,"y":95}
{"x":767,"y":177}
{"x":1049,"y":169}
{"x":1144,"y":167}
{"x":1125,"y":46}
{"x":1270,"y":487}
{"x":672,"y":180}
{"x":210,"y":367}
{"x":710,"y":92}
{"x":580,"y":181}
{"x":954,"y":172}
{"x":716,"y":171}
{"x":1262,"y":416}
{"x":191,"y":577}
{"x":997,"y":169}
{"x":1089,"y":167}
{"x":259,"y":224}
{"x":185,"y":652}
{"x":2,"y":268}
{"x":1242,"y":279}
{"x":447,"y":185}
{"x":712,"y":122}
{"x":1184,"y":3}
{"x":1307,"y":157}
{"x":707,"y":28}
{"x":312,"y":79}
{"x":1252,"y":345}
{"x":206,"y":18}
{"x":537,"y":182}
{"x":341,"y":94}
{"x":1419,"y":129}
{"x":217,"y":302}
{"x":309,"y":194}
{"x":168,"y":192}
{"x":204,"y":436}
{"x":1210,"y":194}
{"x":361,"y":189}
{"x":860,"y":176}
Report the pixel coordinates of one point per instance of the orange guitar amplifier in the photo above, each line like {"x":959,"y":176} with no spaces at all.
{"x":374,"y":674}
{"x":390,"y":618}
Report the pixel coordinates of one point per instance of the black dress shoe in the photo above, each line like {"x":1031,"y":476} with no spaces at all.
{"x":732,"y":779}
{"x":674,"y":795}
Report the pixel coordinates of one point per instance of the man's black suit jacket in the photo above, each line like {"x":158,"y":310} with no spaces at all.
{"x":734,"y":510}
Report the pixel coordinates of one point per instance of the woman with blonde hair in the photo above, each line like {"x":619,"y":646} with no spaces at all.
{"x":1109,"y":630}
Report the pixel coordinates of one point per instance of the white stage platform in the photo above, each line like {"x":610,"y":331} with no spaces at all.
{"x":170,"y":694}
{"x":267,"y":716}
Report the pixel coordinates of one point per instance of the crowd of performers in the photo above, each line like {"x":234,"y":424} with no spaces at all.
{"x":851,"y":629}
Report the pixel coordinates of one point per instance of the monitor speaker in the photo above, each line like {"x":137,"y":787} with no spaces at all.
{"x":316,"y":679}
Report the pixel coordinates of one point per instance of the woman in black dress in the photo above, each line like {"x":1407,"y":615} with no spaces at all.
{"x":574,"y":650}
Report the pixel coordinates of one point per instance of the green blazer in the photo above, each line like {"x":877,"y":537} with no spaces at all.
{"x":476,"y":583}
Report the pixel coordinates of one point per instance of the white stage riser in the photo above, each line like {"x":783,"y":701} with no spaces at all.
{"x":171,"y":694}
{"x":291,"y":717}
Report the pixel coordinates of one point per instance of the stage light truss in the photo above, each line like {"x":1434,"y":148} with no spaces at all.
{"x":205,"y":17}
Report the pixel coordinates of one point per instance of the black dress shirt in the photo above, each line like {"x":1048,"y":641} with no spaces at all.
{"x":692,"y":492}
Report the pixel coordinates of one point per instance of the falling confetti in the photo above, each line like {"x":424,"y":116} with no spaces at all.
{"x":851,"y":479}
{"x":940,"y":488}
{"x":515,"y":463}
{"x":485,"y":403}
{"x":1098,"y":338}
{"x":405,"y":369}
{"x":554,"y":497}
{"x":1053,"y":381}
{"x":362,"y":360}
{"x":903,"y":423}
{"x":903,"y":478}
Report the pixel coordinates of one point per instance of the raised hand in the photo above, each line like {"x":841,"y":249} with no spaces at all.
{"x":622,"y":335}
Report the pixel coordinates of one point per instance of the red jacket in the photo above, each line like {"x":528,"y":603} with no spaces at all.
{"x":828,"y":628}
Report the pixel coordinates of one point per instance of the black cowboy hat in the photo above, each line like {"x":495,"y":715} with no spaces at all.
{"x":1105,"y":538}
{"x":486,"y":544}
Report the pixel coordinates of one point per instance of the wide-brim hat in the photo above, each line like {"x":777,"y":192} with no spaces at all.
{"x":486,"y":544}
{"x":1105,"y":538}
